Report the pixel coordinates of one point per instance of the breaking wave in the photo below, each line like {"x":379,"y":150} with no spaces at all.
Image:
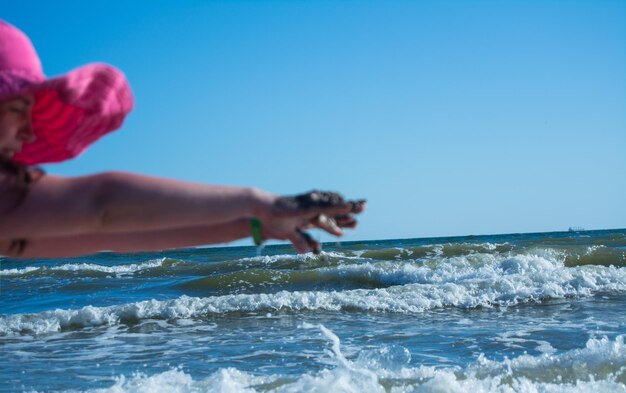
{"x":600,"y":366}
{"x":464,"y":282}
{"x":88,"y":268}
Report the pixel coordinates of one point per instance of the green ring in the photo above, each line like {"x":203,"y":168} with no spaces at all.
{"x":255,"y":229}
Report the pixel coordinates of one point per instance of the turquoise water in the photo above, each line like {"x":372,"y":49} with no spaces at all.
{"x":508,"y":313}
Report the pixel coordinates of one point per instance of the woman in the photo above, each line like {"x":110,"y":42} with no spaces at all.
{"x":51,"y":120}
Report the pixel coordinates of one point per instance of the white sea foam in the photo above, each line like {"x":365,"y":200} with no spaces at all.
{"x":272,"y":259}
{"x":18,"y":272}
{"x":600,"y":366}
{"x":77,"y":267}
{"x":463,"y":282}
{"x":520,"y":275}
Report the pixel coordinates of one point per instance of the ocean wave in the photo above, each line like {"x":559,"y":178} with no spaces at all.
{"x":321,"y":266}
{"x":570,"y":254}
{"x":600,"y":366}
{"x":282,"y":261}
{"x":463,"y":283}
{"x":596,"y":255}
{"x":88,"y":267}
{"x":433,"y":251}
{"x":19,"y":272}
{"x":482,"y":270}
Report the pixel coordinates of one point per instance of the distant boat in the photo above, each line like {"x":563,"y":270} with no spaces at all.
{"x":576,"y":229}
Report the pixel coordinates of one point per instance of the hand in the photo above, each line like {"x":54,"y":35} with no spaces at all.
{"x":287,"y":217}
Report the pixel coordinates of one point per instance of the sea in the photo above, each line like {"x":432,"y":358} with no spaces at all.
{"x":540,"y":312}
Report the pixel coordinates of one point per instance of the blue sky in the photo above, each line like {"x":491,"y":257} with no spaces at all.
{"x":450,"y":117}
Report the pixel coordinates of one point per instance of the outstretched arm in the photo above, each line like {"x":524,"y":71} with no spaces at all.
{"x":68,"y":246}
{"x":124,"y":202}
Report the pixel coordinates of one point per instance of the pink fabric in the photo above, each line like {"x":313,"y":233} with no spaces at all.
{"x":71,"y":111}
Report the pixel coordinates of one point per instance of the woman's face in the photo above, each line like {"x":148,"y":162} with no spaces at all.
{"x":15,"y":124}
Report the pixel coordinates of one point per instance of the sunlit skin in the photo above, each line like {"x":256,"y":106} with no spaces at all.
{"x":15,"y":125}
{"x":67,"y":216}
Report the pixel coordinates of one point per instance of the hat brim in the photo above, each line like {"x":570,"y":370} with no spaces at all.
{"x":73,"y":111}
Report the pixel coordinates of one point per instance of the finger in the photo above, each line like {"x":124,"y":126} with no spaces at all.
{"x":350,"y":225}
{"x":299,"y":242}
{"x":353,"y":207}
{"x":345,"y":221}
{"x":313,"y":203}
{"x":316,"y":202}
{"x":349,"y":207}
{"x":357,"y":206}
{"x":311,"y":212}
{"x":313,"y":244}
{"x":328,"y":224}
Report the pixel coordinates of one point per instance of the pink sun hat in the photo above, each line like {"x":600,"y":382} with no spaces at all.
{"x":71,"y":111}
